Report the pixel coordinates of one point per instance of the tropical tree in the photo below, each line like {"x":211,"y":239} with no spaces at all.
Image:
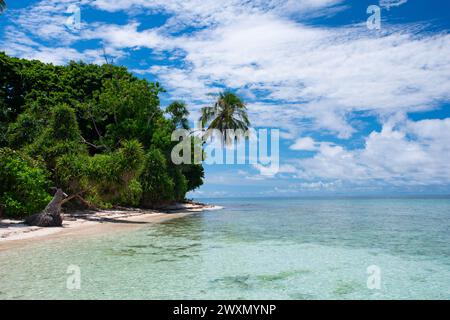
{"x":179,"y":114}
{"x":228,"y":113}
{"x":96,"y":132}
{"x":2,"y":6}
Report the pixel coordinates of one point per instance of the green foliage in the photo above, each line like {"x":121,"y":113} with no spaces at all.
{"x":23,"y":184}
{"x":228,"y":112}
{"x":62,"y":136}
{"x":162,"y":137}
{"x":130,"y":107}
{"x":157,"y":184}
{"x":72,"y":172}
{"x":63,"y":124}
{"x":11,"y":94}
{"x":180,"y":184}
{"x":130,"y":159}
{"x":93,"y":130}
{"x":194,"y":174}
{"x":131,"y":195}
{"x":108,"y":178}
{"x":178,"y":113}
{"x":25,"y":129}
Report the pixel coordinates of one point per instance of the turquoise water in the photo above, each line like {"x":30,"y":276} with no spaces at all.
{"x":252,"y":249}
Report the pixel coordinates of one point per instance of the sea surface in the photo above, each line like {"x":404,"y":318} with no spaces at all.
{"x":252,"y":249}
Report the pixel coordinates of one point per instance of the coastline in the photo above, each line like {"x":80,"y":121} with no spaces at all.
{"x":14,"y":233}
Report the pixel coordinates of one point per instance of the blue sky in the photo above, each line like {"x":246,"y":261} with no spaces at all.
{"x":360,"y":111}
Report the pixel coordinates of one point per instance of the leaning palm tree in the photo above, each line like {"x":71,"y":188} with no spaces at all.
{"x":2,"y":6}
{"x":228,"y":112}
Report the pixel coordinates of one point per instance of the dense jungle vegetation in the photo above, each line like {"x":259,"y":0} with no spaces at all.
{"x":97,"y":132}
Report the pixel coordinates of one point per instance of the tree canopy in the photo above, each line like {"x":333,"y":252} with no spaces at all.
{"x":95,"y":131}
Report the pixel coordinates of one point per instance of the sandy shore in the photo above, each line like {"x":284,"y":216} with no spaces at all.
{"x":14,"y":233}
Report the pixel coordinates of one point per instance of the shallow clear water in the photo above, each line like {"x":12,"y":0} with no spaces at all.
{"x":253,"y":249}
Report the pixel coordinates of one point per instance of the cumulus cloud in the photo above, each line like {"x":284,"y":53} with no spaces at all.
{"x":309,"y":72}
{"x":306,"y":144}
{"x":402,"y":153}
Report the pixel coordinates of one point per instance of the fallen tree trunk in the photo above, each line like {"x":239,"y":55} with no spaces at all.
{"x":73,"y":196}
{"x":78,"y":196}
{"x":87,"y":204}
{"x":51,"y":215}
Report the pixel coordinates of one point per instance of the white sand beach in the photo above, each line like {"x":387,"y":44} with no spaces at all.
{"x":14,"y":233}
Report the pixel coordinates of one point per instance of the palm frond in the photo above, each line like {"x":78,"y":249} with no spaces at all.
{"x":208,"y":114}
{"x":228,"y":112}
{"x":179,"y":114}
{"x":2,"y":6}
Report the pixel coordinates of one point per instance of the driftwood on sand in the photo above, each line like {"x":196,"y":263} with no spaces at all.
{"x":51,"y":215}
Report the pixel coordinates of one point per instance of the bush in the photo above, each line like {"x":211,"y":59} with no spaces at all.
{"x":23,"y":184}
{"x":71,"y":172}
{"x":129,"y":160}
{"x":180,"y":184}
{"x":109,"y":178}
{"x":24,"y":130}
{"x":194,"y":174}
{"x":61,"y":137}
{"x":132,"y":194}
{"x":157,"y":185}
{"x":63,"y":124}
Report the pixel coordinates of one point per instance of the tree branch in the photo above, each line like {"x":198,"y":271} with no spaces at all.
{"x":73,"y":196}
{"x":93,"y":145}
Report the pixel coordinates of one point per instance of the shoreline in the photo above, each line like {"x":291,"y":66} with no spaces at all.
{"x":14,"y":233}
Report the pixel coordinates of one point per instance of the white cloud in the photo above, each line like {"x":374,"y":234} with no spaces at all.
{"x":287,"y":168}
{"x":316,"y":74}
{"x":21,"y":45}
{"x":306,"y":144}
{"x":392,"y":3}
{"x":403,"y":153}
{"x":200,"y":12}
{"x":125,"y":36}
{"x":313,"y":73}
{"x":46,"y":20}
{"x":39,"y":31}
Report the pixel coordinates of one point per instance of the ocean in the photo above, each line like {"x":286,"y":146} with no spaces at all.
{"x":271,"y":248}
